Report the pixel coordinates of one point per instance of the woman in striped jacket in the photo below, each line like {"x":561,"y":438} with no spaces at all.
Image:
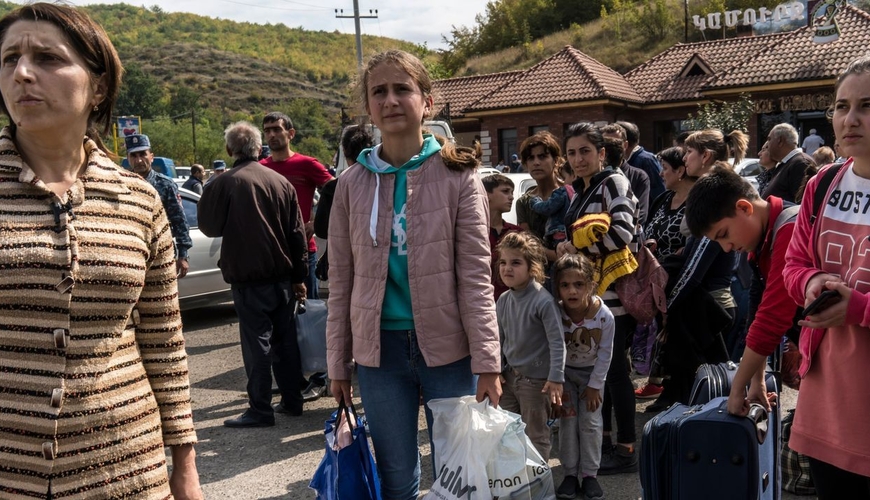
{"x":93,"y":372}
{"x":602,"y":188}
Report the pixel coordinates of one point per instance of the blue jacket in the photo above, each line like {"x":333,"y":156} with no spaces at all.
{"x":171,"y":199}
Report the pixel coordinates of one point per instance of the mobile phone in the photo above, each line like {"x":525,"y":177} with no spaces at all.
{"x":825,"y":300}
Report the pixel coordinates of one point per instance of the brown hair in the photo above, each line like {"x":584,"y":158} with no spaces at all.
{"x":823,"y":156}
{"x":455,"y":157}
{"x":550,"y":143}
{"x":90,"y":42}
{"x":532,"y":250}
{"x":573,"y":261}
{"x":545,"y":139}
{"x":722,"y":146}
{"x":859,"y":66}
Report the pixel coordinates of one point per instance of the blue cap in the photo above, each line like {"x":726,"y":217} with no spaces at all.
{"x":514,"y":156}
{"x":137,"y":142}
{"x":219,"y":165}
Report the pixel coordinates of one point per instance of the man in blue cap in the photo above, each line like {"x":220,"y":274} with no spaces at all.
{"x":217,"y":167}
{"x":140,"y":157}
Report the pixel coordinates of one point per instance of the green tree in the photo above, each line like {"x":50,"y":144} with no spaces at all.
{"x":140,"y":94}
{"x":183,"y":100}
{"x":725,"y":116}
{"x":655,"y":20}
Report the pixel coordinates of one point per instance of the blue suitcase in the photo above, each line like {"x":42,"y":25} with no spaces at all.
{"x":702,"y":452}
{"x":715,"y":380}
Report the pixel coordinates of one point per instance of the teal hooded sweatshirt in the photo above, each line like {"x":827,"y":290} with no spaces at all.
{"x":397,"y":313}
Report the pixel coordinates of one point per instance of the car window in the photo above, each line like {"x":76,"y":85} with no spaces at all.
{"x":189,"y":211}
{"x":753,"y":168}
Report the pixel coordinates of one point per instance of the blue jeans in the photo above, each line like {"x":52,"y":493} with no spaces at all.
{"x":391,"y":398}
{"x":311,"y":282}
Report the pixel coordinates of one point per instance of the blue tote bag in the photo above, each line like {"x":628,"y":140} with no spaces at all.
{"x":347,"y":473}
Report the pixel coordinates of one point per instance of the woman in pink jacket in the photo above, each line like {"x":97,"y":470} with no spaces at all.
{"x":829,"y":251}
{"x":410,"y":294}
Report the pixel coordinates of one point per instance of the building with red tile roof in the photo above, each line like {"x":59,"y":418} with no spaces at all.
{"x":788,"y":76}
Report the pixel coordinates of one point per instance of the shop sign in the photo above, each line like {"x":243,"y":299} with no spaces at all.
{"x":794,"y":11}
{"x":824,"y":16}
{"x":802,"y":102}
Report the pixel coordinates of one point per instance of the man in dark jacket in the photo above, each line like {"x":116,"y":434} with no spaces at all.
{"x":140,"y":157}
{"x":638,"y":179}
{"x":791,"y":163}
{"x":264,"y":256}
{"x":640,"y":158}
{"x":194,"y":182}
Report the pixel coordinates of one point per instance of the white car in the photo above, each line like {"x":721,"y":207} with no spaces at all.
{"x":522,"y":183}
{"x":204,"y":284}
{"x":749,"y":168}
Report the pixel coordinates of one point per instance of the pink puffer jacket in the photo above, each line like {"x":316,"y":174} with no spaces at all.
{"x":448,"y":266}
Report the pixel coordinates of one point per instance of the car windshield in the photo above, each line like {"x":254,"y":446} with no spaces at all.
{"x":189,"y":211}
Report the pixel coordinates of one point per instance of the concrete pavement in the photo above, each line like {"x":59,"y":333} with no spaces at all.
{"x":277,"y":462}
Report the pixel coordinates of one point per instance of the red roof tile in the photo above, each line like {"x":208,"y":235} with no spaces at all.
{"x":462,"y":92}
{"x":567,"y":76}
{"x":659,"y":80}
{"x":798,"y":58}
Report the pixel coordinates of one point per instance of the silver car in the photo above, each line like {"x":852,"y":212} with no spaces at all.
{"x":204,"y":285}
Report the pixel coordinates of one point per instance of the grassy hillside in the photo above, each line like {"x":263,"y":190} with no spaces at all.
{"x":622,"y":48}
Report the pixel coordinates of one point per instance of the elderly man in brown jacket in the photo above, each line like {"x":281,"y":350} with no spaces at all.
{"x":264,"y":258}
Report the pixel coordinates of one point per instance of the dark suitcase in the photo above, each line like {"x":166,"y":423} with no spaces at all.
{"x":702,"y":452}
{"x":714,"y":380}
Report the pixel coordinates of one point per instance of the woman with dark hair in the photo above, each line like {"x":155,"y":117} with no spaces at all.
{"x":602,"y":188}
{"x":665,"y":238}
{"x":542,"y":157}
{"x":95,"y":380}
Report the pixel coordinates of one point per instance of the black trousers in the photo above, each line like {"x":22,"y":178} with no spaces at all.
{"x":833,"y":483}
{"x":618,"y":389}
{"x":268,"y":337}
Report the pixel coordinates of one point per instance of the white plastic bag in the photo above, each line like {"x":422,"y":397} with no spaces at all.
{"x":311,"y":335}
{"x":464,"y":432}
{"x":515,"y":468}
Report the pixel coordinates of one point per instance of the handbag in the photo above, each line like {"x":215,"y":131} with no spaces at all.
{"x":311,"y":336}
{"x":796,"y":477}
{"x":642,"y":292}
{"x":346,"y":472}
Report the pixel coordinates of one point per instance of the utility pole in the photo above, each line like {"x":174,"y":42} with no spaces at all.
{"x":373,"y":14}
{"x":686,"y":22}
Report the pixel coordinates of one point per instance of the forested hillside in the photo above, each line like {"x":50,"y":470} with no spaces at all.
{"x":221,"y":71}
{"x":619,"y":33}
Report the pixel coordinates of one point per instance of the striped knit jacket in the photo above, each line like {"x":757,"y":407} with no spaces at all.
{"x":93,"y":371}
{"x":608,"y":191}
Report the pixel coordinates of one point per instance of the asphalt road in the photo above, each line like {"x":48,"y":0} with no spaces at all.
{"x":278,"y":462}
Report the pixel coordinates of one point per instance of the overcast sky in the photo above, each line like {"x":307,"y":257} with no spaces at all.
{"x":417,"y":21}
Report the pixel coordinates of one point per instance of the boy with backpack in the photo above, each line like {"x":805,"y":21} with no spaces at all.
{"x":726,"y":209}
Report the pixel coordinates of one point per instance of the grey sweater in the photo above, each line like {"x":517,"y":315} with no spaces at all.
{"x":530,"y":330}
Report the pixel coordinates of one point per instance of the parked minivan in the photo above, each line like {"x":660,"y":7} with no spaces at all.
{"x":436,"y":127}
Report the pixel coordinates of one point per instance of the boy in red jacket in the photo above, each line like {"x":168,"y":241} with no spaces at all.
{"x":726,"y":209}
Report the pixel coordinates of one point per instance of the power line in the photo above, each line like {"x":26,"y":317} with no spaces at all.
{"x":276,"y":8}
{"x":373,"y":14}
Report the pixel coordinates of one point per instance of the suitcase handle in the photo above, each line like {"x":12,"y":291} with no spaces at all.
{"x":759,"y":417}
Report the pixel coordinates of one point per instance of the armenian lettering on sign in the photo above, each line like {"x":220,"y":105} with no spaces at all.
{"x":747,"y":17}
{"x":802,"y":102}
